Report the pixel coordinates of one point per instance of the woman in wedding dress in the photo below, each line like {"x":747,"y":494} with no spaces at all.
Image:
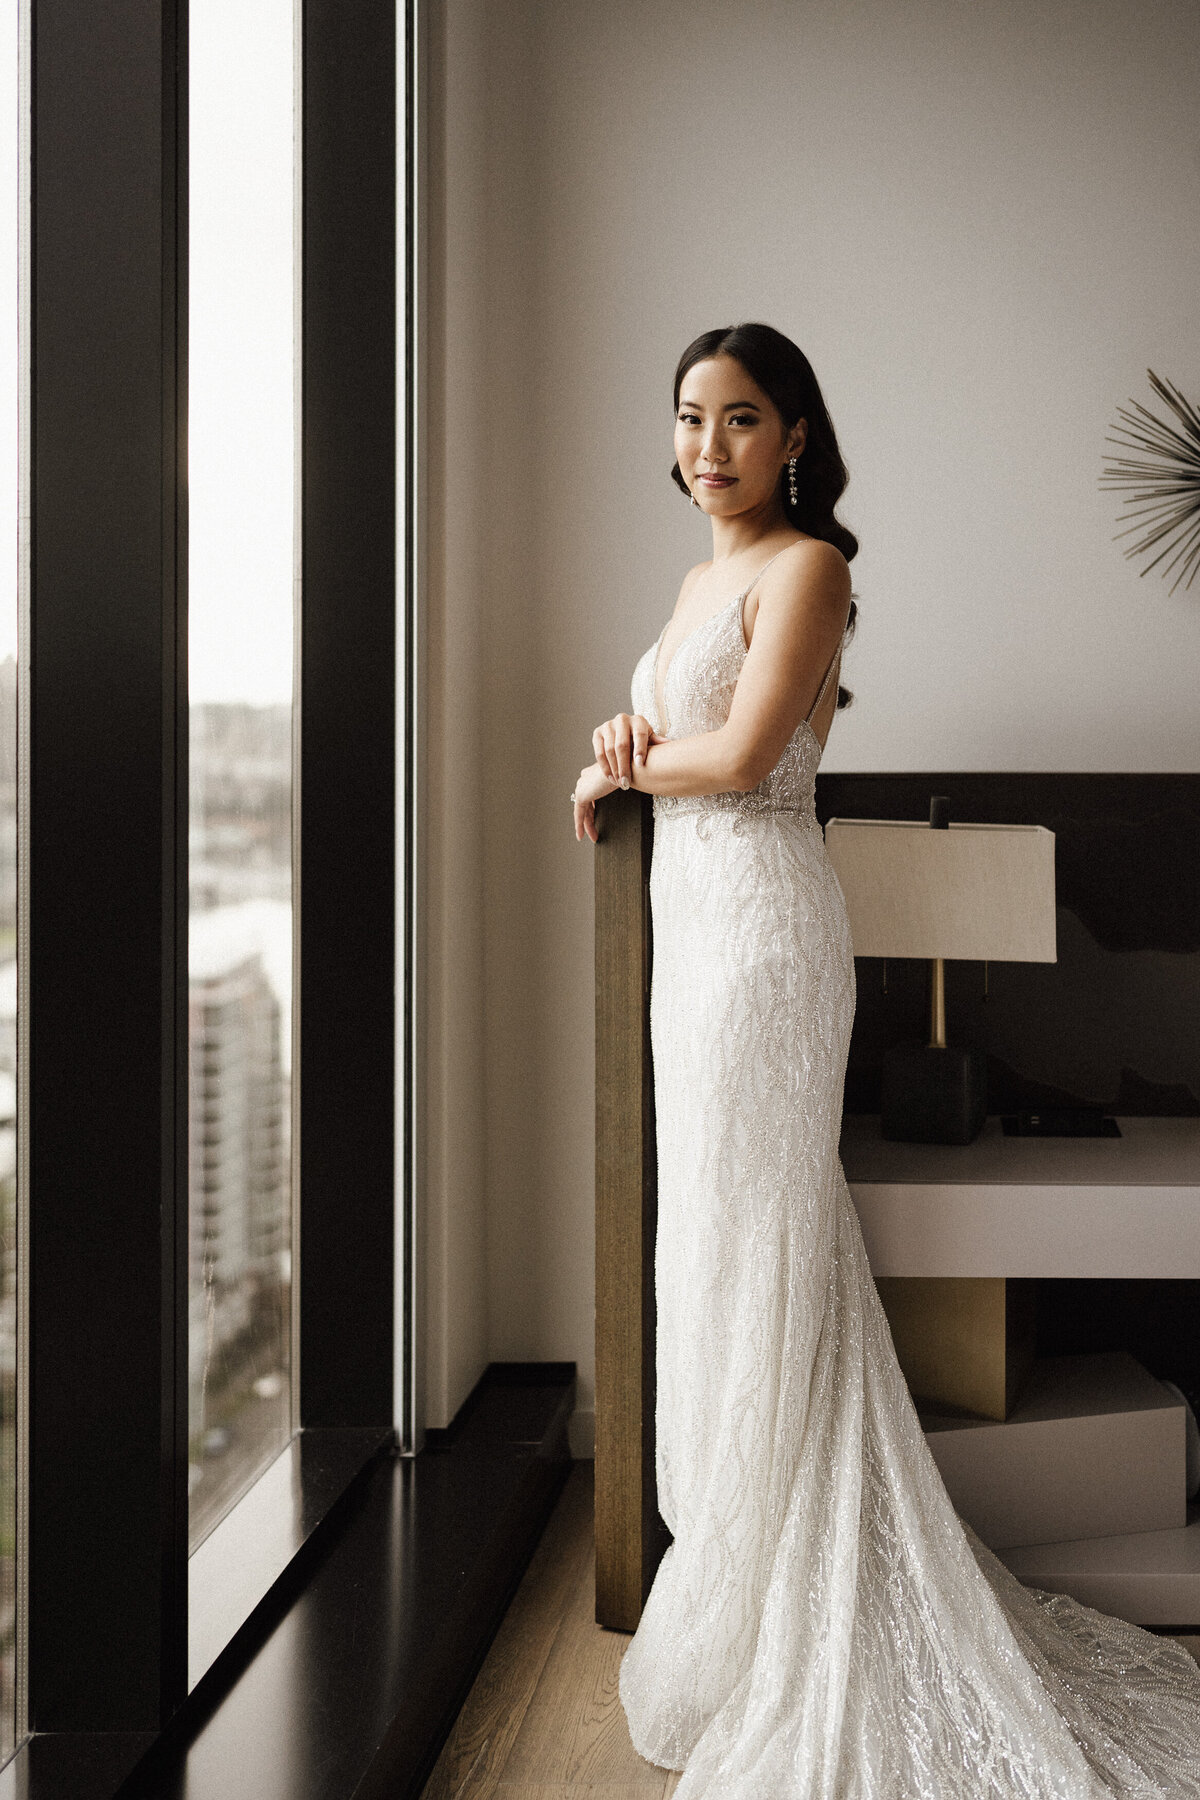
{"x":824,"y":1626}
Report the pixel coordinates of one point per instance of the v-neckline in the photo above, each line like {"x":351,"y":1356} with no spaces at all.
{"x":662,"y":710}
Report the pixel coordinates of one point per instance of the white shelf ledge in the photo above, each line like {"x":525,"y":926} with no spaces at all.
{"x":1126,"y":1207}
{"x":1094,"y":1446}
{"x":1147,"y":1577}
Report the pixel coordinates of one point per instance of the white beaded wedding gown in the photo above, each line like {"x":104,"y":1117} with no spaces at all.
{"x":824,"y":1625}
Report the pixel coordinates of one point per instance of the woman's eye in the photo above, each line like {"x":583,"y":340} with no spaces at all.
{"x":688,"y":419}
{"x":742,"y":419}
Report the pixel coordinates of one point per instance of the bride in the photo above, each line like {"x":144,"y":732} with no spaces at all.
{"x":823,"y":1626}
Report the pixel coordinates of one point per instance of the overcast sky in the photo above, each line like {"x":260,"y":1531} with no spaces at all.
{"x":241,"y":439}
{"x":242,"y":308}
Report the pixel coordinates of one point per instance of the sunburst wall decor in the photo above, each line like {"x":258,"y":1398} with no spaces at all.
{"x":1164,"y":481}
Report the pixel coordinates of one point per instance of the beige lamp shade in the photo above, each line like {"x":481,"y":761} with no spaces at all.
{"x":981,"y":892}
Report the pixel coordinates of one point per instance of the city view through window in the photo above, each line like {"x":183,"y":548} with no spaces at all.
{"x":241,"y":452}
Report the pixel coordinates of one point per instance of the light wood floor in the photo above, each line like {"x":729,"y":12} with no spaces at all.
{"x":544,"y":1720}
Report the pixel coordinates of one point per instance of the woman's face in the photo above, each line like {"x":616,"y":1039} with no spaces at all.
{"x":730,"y":442}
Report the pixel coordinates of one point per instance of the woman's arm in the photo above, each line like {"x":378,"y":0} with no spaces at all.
{"x":802,"y":608}
{"x":704,"y":764}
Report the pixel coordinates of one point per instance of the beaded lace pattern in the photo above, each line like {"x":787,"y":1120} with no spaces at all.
{"x":824,"y":1625}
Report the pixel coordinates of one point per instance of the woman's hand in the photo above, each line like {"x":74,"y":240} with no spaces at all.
{"x":621,"y":742}
{"x":594,"y":782}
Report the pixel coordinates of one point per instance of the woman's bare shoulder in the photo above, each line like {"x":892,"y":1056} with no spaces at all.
{"x":807,"y":578}
{"x":692,"y":577}
{"x":810,"y":576}
{"x":687,"y":585}
{"x":812,"y":562}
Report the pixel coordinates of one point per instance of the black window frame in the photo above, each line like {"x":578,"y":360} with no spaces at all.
{"x":104,"y":887}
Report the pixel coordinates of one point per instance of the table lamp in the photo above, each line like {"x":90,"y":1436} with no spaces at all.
{"x":984,"y":893}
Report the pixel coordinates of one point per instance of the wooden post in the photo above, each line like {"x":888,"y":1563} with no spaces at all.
{"x":629,"y":1533}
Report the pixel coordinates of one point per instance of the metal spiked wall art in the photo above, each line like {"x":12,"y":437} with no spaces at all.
{"x":1164,"y":480}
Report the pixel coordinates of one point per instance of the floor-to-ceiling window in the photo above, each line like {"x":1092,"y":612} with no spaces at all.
{"x":185,"y":251}
{"x":242,"y":563}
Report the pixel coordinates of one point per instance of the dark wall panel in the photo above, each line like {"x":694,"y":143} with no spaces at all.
{"x":348,"y":698}
{"x":1116,"y":1020}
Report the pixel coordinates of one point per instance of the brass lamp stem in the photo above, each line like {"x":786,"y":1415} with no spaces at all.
{"x":937,"y":1003}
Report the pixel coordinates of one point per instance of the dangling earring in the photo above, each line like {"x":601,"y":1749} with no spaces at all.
{"x":792,"y":479}
{"x":695,"y":502}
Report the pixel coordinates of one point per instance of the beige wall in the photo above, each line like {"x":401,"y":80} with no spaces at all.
{"x":979,"y":222}
{"x":480,"y":1004}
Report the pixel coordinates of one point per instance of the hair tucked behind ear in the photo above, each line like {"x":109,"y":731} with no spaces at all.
{"x":785,"y":375}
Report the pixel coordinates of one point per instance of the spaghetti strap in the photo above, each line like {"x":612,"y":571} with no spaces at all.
{"x":836,"y":659}
{"x":823,"y":687}
{"x":762,"y":571}
{"x":740,"y":599}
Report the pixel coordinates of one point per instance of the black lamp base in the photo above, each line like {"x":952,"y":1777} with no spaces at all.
{"x":933,"y":1095}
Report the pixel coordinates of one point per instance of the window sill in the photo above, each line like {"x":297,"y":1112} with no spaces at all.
{"x":242,"y":1558}
{"x":320,"y":1470}
{"x":347,"y":1677}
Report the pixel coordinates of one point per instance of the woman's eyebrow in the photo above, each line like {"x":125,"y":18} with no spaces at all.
{"x":730,"y":405}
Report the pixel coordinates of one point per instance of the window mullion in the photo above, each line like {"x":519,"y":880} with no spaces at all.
{"x":106,"y":959}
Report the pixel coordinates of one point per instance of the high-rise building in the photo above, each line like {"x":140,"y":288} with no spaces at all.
{"x":238,"y":1156}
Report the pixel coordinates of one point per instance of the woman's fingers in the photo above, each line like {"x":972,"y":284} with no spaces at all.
{"x":585,"y":813}
{"x":620,"y":742}
{"x":604,"y":747}
{"x":585,"y":821}
{"x":624,"y":747}
{"x":621,"y":757}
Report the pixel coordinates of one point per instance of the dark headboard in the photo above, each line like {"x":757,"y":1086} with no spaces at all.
{"x":1116,"y":1021}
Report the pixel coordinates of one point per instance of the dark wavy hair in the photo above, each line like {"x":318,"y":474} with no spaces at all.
{"x":785,"y":375}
